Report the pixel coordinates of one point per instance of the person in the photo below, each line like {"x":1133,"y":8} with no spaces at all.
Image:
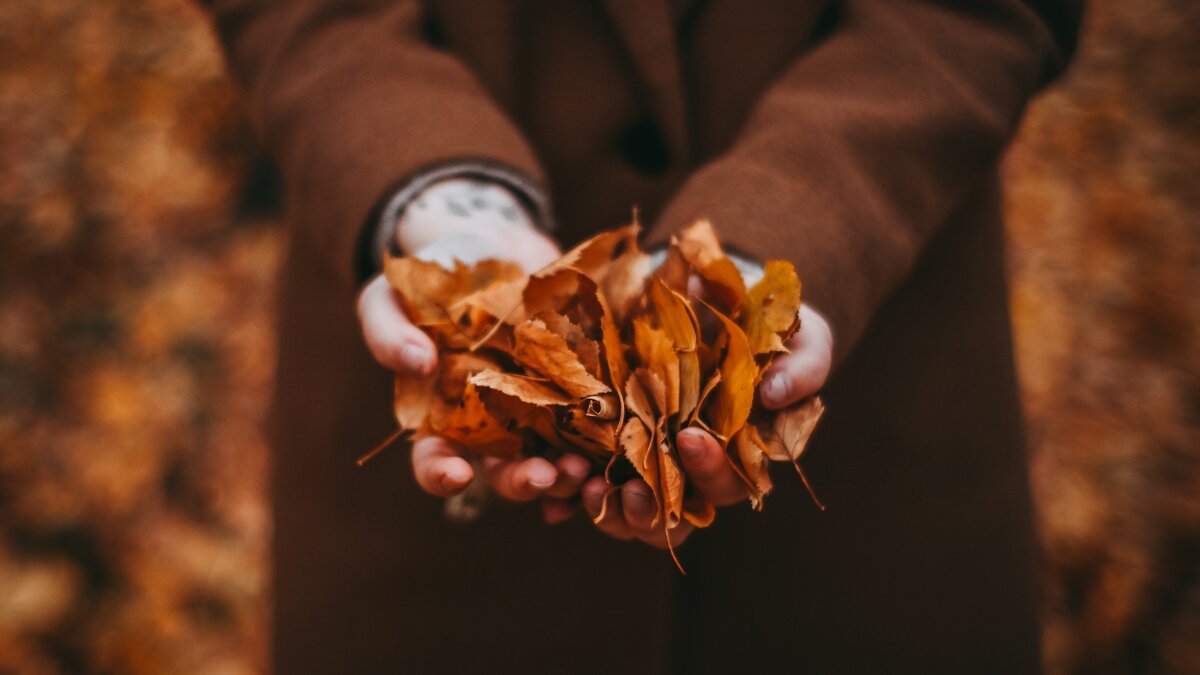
{"x":858,"y":139}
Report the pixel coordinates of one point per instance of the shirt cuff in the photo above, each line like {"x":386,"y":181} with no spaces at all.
{"x":527,"y":190}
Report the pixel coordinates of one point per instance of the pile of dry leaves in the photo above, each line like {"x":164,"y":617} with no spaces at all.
{"x":595,"y":353}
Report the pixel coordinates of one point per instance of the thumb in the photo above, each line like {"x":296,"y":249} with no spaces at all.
{"x":391,"y":338}
{"x":801,"y":372}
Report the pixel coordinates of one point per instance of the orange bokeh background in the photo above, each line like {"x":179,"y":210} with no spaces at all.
{"x":139,"y":240}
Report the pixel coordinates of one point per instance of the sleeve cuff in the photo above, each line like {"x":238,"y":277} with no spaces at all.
{"x":528,"y":191}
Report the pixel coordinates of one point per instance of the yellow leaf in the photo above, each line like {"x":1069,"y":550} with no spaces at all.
{"x":770,"y":314}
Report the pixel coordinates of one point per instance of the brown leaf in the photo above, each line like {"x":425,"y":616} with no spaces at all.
{"x":675,"y":269}
{"x":656,"y":389}
{"x":679,"y":322}
{"x":636,"y":445}
{"x":792,"y":429}
{"x":789,"y":437}
{"x":590,"y":433}
{"x":638,"y":401}
{"x":594,"y":255}
{"x":500,"y":300}
{"x":625,"y":280}
{"x":547,"y":354}
{"x":752,"y":463}
{"x":656,"y":353}
{"x":602,"y":407}
{"x":474,"y":428}
{"x":522,"y":387}
{"x":457,"y":367}
{"x":651,"y":458}
{"x":552,"y":293}
{"x":709,"y":387}
{"x":614,"y":353}
{"x":512,"y":411}
{"x":771,"y":311}
{"x":670,"y":485}
{"x":585,"y":348}
{"x":734,"y":396}
{"x":699,"y":512}
{"x":429,"y":291}
{"x":412,"y":399}
{"x":723,"y":285}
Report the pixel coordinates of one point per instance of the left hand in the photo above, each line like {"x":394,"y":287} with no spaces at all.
{"x":792,"y":377}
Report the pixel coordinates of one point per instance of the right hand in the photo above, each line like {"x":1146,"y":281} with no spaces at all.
{"x":468,"y":220}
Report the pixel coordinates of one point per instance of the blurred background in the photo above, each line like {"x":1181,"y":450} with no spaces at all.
{"x":139,"y":241}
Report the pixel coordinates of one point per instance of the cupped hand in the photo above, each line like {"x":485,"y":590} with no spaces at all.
{"x":792,"y":377}
{"x":466,"y":220}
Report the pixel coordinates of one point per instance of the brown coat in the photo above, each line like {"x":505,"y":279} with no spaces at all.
{"x":858,"y":139}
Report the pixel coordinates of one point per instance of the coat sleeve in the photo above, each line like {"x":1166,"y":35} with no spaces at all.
{"x":860,"y":149}
{"x":351,"y":100}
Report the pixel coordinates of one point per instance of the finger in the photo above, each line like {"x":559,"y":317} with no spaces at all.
{"x":572,"y":471}
{"x":520,"y":481}
{"x":803,"y":371}
{"x":658,"y":537}
{"x":595,"y":492}
{"x":708,"y":469}
{"x":638,"y":506}
{"x":555,"y":511}
{"x":391,"y":338}
{"x":439,"y":467}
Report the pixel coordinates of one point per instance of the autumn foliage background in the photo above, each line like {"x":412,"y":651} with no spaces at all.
{"x":139,"y":240}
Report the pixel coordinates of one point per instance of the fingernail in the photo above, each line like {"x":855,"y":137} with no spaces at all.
{"x":575,"y":468}
{"x":541,"y":479}
{"x":595,"y":488}
{"x":414,"y":357}
{"x":776,"y":390}
{"x":456,"y":475}
{"x":636,"y":490}
{"x":691,"y":446}
{"x":642,"y":503}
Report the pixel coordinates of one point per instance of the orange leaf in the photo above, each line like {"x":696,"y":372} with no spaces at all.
{"x":547,"y":354}
{"x":679,"y":322}
{"x":412,"y":398}
{"x":752,"y":464}
{"x":734,"y":396}
{"x":656,"y":353}
{"x":474,"y":428}
{"x":522,"y":387}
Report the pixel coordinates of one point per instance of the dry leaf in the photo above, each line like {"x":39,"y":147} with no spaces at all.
{"x":792,"y":429}
{"x":595,"y":354}
{"x":412,"y":398}
{"x":530,"y":390}
{"x":457,"y":367}
{"x":470,"y":425}
{"x":547,"y":354}
{"x":734,"y":396}
{"x":771,"y":312}
{"x":656,"y":353}
{"x":752,"y":461}
{"x":678,"y":321}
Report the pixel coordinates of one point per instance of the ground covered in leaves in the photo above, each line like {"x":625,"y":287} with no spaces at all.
{"x":136,"y":343}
